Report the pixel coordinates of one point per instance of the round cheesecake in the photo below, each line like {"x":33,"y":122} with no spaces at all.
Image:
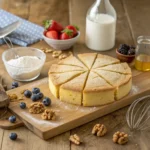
{"x":90,"y":79}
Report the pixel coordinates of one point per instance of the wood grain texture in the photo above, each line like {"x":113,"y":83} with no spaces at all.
{"x":29,"y":141}
{"x":133,"y":17}
{"x":4,"y":122}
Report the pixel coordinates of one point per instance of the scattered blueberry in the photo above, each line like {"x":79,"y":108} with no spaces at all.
{"x":22,"y":105}
{"x":35,"y":90}
{"x":27,"y":93}
{"x":40,"y":95}
{"x":15,"y":84}
{"x":13,"y":136}
{"x":47,"y":101}
{"x":12,"y":119}
{"x":13,"y":87}
{"x":35,"y":97}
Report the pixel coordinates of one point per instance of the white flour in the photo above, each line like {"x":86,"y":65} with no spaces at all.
{"x":24,"y":68}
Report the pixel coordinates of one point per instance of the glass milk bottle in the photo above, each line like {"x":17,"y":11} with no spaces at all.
{"x":101,"y":26}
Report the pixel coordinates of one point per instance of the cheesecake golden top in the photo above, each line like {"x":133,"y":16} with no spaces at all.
{"x":88,"y":76}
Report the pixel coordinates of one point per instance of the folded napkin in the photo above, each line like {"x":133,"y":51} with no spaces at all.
{"x":27,"y":34}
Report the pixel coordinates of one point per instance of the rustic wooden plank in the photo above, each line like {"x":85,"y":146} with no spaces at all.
{"x":1,"y":137}
{"x":53,"y":9}
{"x":27,"y":140}
{"x":114,"y":122}
{"x":138,"y":16}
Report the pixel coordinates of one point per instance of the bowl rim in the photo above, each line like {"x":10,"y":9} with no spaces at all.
{"x":123,"y":54}
{"x":61,"y":40}
{"x":10,"y":49}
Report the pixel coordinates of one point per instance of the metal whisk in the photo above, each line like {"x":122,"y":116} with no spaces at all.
{"x":138,"y":114}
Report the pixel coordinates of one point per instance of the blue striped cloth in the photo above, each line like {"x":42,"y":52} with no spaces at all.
{"x":27,"y":34}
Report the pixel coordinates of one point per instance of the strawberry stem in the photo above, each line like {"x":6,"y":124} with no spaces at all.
{"x":77,"y":28}
{"x":47,"y":23}
{"x":68,"y":32}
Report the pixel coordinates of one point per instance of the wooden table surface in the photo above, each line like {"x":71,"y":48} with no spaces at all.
{"x":133,"y":21}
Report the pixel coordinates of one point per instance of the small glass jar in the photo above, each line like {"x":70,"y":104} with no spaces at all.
{"x":142,"y":59}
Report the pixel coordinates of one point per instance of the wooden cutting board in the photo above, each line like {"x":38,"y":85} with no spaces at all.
{"x":71,"y":116}
{"x":4,"y":101}
{"x":4,"y":113}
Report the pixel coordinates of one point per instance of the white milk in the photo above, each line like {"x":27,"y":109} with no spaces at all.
{"x":100,"y":32}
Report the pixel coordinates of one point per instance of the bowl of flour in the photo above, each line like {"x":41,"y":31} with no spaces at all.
{"x":27,"y":66}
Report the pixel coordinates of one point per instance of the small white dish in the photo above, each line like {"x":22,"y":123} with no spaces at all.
{"x":61,"y":44}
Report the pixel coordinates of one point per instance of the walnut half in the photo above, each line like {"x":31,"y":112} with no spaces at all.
{"x":120,"y":138}
{"x":75,"y":139}
{"x":48,"y":115}
{"x":99,"y":130}
{"x":36,"y":108}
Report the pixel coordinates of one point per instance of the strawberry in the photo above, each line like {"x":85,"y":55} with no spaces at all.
{"x":66,"y":34}
{"x":53,"y":25}
{"x":74,"y":28}
{"x":45,"y":32}
{"x":52,"y":34}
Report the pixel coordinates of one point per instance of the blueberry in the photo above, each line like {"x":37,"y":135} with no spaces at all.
{"x":35,"y":97}
{"x":123,"y":51}
{"x":12,"y":119}
{"x":131,"y":52}
{"x":13,"y":87}
{"x":15,"y":84}
{"x":27,"y":93}
{"x":35,"y":90}
{"x":47,"y":101}
{"x":124,"y":46}
{"x":40,"y":95}
{"x":22,"y":105}
{"x":13,"y":136}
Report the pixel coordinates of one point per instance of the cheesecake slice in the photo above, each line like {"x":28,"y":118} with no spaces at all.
{"x":88,"y":59}
{"x":120,"y":68}
{"x":71,"y":91}
{"x":55,"y":68}
{"x":104,"y":60}
{"x":121,"y":82}
{"x":73,"y":61}
{"x":97,"y":91}
{"x":56,"y":79}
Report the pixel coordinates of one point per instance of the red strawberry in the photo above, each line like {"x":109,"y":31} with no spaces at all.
{"x":74,"y":28}
{"x":66,"y":34}
{"x":52,"y":34}
{"x":53,"y":25}
{"x":45,"y":32}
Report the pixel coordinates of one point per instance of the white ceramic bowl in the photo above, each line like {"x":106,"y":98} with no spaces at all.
{"x":61,"y":44}
{"x":23,"y":73}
